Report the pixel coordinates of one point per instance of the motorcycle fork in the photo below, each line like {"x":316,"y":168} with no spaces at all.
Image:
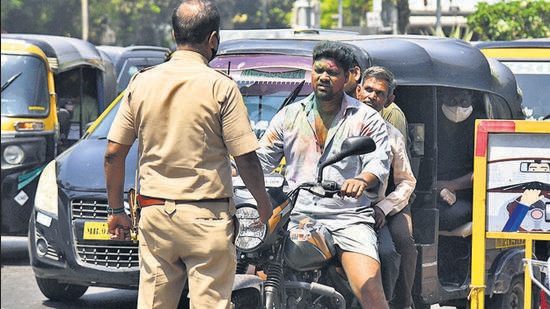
{"x":274,"y":277}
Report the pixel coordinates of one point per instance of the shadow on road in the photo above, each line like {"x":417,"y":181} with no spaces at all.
{"x":105,"y":299}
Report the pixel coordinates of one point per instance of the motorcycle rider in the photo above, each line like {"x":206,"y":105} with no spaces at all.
{"x":306,"y":133}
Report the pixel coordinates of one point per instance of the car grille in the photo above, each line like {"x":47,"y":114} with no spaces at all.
{"x":108,"y":254}
{"x":89,"y":209}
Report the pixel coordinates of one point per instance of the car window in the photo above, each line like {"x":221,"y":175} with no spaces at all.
{"x":532,"y":76}
{"x":132,"y":66}
{"x":102,"y":129}
{"x":262,"y":108}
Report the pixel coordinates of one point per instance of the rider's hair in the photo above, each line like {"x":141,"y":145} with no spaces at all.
{"x":382,"y":73}
{"x":193,"y":21}
{"x":337,"y":51}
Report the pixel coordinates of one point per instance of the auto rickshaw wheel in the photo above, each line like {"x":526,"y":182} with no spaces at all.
{"x":512,"y":299}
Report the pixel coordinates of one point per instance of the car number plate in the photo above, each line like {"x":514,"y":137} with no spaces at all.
{"x":96,"y":231}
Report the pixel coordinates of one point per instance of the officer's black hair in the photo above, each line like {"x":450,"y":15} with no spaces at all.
{"x":341,"y":53}
{"x":194,"y":25}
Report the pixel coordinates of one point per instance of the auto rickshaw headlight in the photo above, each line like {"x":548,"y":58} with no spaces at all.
{"x":45,"y":199}
{"x":14,"y":155}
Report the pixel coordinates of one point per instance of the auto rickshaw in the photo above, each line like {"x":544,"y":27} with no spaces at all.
{"x":37,"y":123}
{"x":529,"y":60}
{"x":512,"y":206}
{"x":424,"y":67}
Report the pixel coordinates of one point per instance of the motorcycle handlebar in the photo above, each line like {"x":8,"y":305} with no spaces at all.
{"x":324,"y":189}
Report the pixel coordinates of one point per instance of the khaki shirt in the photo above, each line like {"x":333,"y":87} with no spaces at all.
{"x":188,"y":119}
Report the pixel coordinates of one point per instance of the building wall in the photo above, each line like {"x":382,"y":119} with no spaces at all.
{"x":422,"y":15}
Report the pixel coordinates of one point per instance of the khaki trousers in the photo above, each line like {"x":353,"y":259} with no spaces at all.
{"x":195,"y":243}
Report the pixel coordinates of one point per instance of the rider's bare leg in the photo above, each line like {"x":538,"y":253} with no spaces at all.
{"x":364,"y":276}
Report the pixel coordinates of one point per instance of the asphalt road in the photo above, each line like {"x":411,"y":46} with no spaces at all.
{"x":19,"y":289}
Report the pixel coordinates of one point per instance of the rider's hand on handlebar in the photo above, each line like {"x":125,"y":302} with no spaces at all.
{"x":353,"y":187}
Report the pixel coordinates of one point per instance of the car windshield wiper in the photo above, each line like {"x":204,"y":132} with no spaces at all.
{"x":292,"y":96}
{"x":11,"y":80}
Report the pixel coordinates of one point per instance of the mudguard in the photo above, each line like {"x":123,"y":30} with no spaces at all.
{"x":244,"y":281}
{"x":505,"y":267}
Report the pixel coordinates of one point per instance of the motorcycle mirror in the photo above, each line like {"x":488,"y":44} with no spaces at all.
{"x":356,"y":145}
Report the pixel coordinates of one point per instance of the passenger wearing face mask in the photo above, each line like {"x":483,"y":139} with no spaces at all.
{"x":455,"y":135}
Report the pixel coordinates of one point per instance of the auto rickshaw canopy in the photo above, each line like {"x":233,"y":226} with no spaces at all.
{"x":64,"y":53}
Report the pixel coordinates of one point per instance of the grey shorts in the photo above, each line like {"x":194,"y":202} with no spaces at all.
{"x":359,"y":238}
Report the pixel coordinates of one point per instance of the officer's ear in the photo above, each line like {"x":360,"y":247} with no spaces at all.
{"x":214,"y":40}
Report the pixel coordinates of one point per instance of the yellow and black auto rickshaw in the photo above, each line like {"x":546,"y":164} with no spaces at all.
{"x":41,"y":74}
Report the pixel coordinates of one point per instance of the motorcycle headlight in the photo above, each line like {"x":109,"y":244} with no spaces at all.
{"x":46,"y":192}
{"x":14,"y":155}
{"x":249,"y":238}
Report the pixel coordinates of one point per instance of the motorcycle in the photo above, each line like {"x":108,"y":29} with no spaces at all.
{"x":279,"y":267}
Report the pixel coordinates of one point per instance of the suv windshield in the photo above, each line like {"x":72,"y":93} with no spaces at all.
{"x":24,"y":86}
{"x":261,"y":108}
{"x":264,"y":99}
{"x":532,"y":78}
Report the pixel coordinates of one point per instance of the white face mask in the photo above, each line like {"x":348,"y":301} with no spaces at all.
{"x":456,"y":113}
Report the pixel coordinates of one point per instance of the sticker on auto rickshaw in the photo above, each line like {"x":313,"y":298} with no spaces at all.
{"x":518,"y":183}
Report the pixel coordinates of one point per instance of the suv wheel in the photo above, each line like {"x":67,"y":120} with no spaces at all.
{"x":56,"y":291}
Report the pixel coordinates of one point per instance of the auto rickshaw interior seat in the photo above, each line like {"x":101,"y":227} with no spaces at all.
{"x":463,"y":231}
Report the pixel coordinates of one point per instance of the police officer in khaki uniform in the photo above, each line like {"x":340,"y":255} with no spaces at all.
{"x":188,"y":120}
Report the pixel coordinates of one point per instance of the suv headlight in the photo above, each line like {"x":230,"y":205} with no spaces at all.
{"x":249,"y":238}
{"x":46,"y":192}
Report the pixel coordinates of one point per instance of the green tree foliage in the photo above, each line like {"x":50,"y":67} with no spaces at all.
{"x":133,"y":22}
{"x":255,"y":14}
{"x":511,"y":20}
{"x":34,"y":16}
{"x":354,"y":12}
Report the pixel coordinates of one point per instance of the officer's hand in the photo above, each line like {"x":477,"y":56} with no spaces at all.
{"x":119,"y":226}
{"x":379,"y":218}
{"x":265,"y":210}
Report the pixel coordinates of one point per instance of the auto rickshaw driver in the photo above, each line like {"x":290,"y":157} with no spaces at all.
{"x":77,"y":107}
